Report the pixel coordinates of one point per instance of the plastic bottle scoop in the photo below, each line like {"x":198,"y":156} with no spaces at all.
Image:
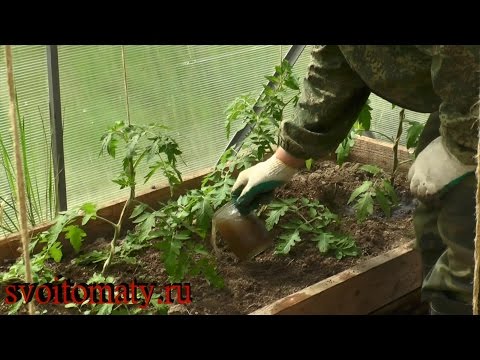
{"x":245,"y":235}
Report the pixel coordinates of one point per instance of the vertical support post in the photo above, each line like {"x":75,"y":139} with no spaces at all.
{"x":56,"y":127}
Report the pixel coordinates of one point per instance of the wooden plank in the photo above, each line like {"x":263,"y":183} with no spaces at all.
{"x":9,"y":246}
{"x":356,"y":291}
{"x":380,"y":153}
{"x":409,"y":304}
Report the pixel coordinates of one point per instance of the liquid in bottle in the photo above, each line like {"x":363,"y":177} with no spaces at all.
{"x":245,"y":235}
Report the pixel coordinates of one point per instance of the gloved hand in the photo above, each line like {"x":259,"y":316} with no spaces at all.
{"x":261,"y":179}
{"x":435,"y":170}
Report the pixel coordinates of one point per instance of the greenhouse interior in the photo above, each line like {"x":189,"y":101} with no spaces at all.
{"x":238,"y":180}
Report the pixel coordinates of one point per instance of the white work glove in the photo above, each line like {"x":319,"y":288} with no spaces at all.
{"x":259,"y":181}
{"x":435,"y":169}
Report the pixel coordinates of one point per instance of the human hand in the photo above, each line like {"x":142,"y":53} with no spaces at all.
{"x":435,"y":170}
{"x":254,"y":184}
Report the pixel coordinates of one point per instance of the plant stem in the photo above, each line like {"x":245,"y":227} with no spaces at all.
{"x":405,"y":161}
{"x":395,"y":147}
{"x":106,"y":220}
{"x":288,"y":102}
{"x":307,"y":222}
{"x":116,"y":234}
{"x":139,"y":159}
{"x":389,"y":138}
{"x":305,"y":219}
{"x":132,"y":177}
{"x":118,"y":226}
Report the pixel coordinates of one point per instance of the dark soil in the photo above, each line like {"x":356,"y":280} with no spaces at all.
{"x":269,"y":277}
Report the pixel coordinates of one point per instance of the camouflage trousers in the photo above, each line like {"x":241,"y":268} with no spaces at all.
{"x":445,"y":233}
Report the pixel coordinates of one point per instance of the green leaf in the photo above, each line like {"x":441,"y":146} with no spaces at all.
{"x":359,"y":190}
{"x":275,"y":215}
{"x":364,"y":206}
{"x":144,"y":228}
{"x":305,"y":201}
{"x":372,"y":169}
{"x":323,"y":241}
{"x":288,"y":241}
{"x":122,"y":180}
{"x":141,"y":217}
{"x":327,"y":216}
{"x":413,"y":133}
{"x":92,"y":257}
{"x":170,"y":148}
{"x":345,"y":246}
{"x":273,"y":79}
{"x":56,"y":252}
{"x":306,"y":227}
{"x":125,"y":259}
{"x":112,"y":145}
{"x":228,"y":124}
{"x":290,"y":201}
{"x":175,"y":246}
{"x":71,"y":305}
{"x":140,"y":208}
{"x":75,"y":235}
{"x":383,"y":202}
{"x":212,"y":277}
{"x":199,"y":249}
{"x":352,"y":250}
{"x":169,"y":171}
{"x":349,"y":252}
{"x":104,"y":309}
{"x":90,"y":212}
{"x":183,"y":235}
{"x":170,"y":255}
{"x":308,"y":164}
{"x":291,"y":83}
{"x":109,"y":144}
{"x":15,"y":307}
{"x":99,"y":278}
{"x":291,"y":225}
{"x":204,"y":214}
{"x":132,"y":146}
{"x":365,"y":117}
{"x":207,"y":268}
{"x":183,"y":266}
{"x":390,"y":191}
{"x":60,"y":222}
{"x":223,"y":192}
{"x":343,"y":149}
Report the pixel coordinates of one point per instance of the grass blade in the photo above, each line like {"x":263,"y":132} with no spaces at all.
{"x":40,"y":207}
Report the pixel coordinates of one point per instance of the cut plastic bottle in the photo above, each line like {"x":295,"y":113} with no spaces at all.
{"x":245,"y":235}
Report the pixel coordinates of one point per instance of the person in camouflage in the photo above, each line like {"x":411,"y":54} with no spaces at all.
{"x":441,"y":80}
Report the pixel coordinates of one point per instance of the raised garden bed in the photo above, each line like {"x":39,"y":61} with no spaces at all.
{"x":302,"y":282}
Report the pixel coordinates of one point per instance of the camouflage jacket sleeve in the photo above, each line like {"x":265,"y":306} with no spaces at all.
{"x":456,"y":80}
{"x":331,"y":100}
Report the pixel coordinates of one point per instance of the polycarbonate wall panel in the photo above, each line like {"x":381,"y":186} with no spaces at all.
{"x":31,"y":82}
{"x":184,"y":87}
